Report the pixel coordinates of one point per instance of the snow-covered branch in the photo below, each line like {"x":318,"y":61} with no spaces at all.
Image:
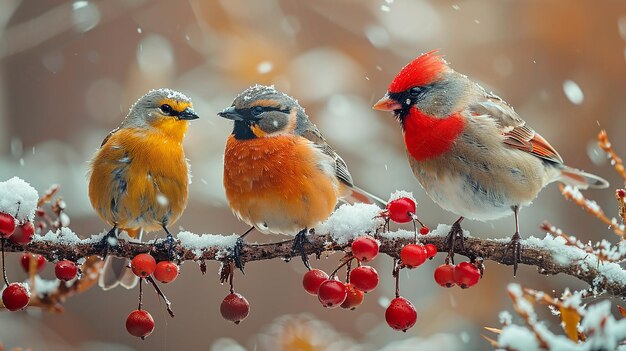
{"x":551,"y":255}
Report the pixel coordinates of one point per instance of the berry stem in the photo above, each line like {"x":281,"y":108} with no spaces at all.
{"x":140,"y":293}
{"x":348,"y":269}
{"x":347,"y":259}
{"x":396,"y":274}
{"x":168,"y":304}
{"x":4,"y":271}
{"x":231,"y":276}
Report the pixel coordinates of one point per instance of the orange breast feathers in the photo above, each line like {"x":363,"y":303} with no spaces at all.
{"x":280,"y":184}
{"x":139,"y":179}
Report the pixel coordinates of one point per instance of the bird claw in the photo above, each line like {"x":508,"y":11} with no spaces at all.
{"x":456,"y":232}
{"x":298,"y":247}
{"x":236,"y":256}
{"x":515,"y":246}
{"x":108,"y":241}
{"x":171,"y":244}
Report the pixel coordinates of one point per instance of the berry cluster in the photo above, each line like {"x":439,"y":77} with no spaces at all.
{"x":139,"y":322}
{"x":401,"y":314}
{"x":16,"y":295}
{"x":464,"y":274}
{"x":331,"y":292}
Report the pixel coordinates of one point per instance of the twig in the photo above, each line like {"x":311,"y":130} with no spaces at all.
{"x":616,"y":161}
{"x":591,"y":207}
{"x":168,"y":304}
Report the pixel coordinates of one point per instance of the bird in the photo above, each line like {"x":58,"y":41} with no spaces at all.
{"x":471,"y":152}
{"x":280,"y":174}
{"x":139,"y":176}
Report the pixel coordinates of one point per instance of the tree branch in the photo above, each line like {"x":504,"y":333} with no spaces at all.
{"x":550,"y":255}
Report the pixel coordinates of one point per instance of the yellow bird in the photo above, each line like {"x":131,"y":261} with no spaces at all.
{"x":140,"y":176}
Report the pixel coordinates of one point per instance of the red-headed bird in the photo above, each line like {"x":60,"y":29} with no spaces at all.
{"x":139,"y":176}
{"x":473,"y":155}
{"x":280,"y":175}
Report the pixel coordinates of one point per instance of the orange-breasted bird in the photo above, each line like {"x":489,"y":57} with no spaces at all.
{"x":280,"y":174}
{"x":140,"y":176}
{"x":471,"y":152}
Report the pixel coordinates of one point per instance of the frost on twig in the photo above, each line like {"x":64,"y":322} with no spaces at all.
{"x":585,"y":327}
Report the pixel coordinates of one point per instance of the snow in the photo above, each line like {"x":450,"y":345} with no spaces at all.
{"x":265,"y":67}
{"x":196,"y":243}
{"x":18,"y":199}
{"x":63,"y":236}
{"x":351,"y":221}
{"x":523,"y":305}
{"x":573,"y":192}
{"x":573,"y":92}
{"x":43,"y":286}
{"x":505,"y":317}
{"x":606,"y":333}
{"x":515,"y":337}
{"x":400,"y":194}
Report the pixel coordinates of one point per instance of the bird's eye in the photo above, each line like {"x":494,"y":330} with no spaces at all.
{"x":415,"y":91}
{"x":167,"y":109}
{"x":257,"y":110}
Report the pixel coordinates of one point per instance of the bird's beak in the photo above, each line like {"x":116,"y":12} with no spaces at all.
{"x":188,"y":114}
{"x":231,"y":113}
{"x":387,"y":104}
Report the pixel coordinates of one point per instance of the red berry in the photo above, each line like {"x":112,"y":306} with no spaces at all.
{"x":401,"y":314}
{"x":354,"y":297}
{"x":365,"y":248}
{"x":235,"y":308}
{"x":65,"y":270}
{"x":313,"y":279}
{"x":424,"y":230}
{"x":466,"y":275}
{"x":332,"y":293}
{"x":413,"y":255}
{"x":444,"y":275}
{"x":364,"y":278}
{"x":621,"y":193}
{"x":431,"y":250}
{"x":139,"y":323}
{"x":166,"y":272}
{"x":401,"y":210}
{"x":7,"y":225}
{"x":143,"y":265}
{"x":15,"y":296}
{"x":26,"y":258}
{"x":23,"y":234}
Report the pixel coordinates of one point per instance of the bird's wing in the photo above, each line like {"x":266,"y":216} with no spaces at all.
{"x":109,"y":136}
{"x":516,"y":133}
{"x":341,"y":169}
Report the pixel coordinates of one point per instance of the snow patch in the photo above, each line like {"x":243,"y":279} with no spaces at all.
{"x":19,"y":199}
{"x":196,"y":243}
{"x":351,"y":221}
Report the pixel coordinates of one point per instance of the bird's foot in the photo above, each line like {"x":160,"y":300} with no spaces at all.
{"x":455,"y":233}
{"x":236,"y":255}
{"x":171,"y":244}
{"x":108,"y":241}
{"x":516,"y":248}
{"x":298,"y":246}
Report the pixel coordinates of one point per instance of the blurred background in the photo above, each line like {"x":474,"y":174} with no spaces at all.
{"x":70,"y":70}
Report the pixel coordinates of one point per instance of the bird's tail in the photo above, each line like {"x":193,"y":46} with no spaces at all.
{"x":116,"y":272}
{"x":357,"y":194}
{"x":582,"y":180}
